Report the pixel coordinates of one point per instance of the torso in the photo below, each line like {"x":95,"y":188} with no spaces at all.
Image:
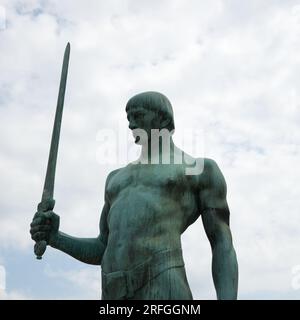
{"x":150,"y":206}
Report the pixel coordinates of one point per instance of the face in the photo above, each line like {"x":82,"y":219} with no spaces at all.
{"x":139,"y":118}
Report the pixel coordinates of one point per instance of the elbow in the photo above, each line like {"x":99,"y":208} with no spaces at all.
{"x":96,"y":262}
{"x":222,"y":241}
{"x":93,"y":254}
{"x":93,"y":259}
{"x":223,"y":248}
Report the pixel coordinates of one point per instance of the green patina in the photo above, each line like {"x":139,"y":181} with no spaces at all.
{"x":146,"y":209}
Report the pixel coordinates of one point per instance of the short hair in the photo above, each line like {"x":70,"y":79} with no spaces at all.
{"x":155,"y":101}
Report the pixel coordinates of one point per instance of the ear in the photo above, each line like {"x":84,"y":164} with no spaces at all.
{"x":164,"y":120}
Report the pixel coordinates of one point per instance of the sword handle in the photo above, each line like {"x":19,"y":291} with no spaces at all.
{"x":40,"y":246}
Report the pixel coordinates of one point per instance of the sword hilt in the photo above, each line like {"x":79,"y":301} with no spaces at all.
{"x":40,"y":246}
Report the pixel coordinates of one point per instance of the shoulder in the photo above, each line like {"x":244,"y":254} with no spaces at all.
{"x":212,"y":185}
{"x":109,"y":178}
{"x":209,"y":172}
{"x":210,"y":165}
{"x":112,"y":174}
{"x":212,"y":174}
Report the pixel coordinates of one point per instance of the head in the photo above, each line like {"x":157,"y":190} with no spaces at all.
{"x":149,"y":110}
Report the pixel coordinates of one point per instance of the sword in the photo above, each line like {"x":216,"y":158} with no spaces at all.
{"x":47,"y":203}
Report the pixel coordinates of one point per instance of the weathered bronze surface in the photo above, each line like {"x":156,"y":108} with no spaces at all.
{"x":147,"y":207}
{"x":47,"y":203}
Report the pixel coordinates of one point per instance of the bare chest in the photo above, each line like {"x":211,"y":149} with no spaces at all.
{"x":167,"y":179}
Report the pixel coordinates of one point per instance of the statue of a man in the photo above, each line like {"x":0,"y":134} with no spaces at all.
{"x":147,"y":208}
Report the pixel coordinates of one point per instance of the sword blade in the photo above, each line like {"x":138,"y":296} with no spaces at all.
{"x":47,"y":202}
{"x":50,"y":175}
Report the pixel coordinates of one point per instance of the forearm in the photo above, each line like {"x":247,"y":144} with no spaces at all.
{"x":225,"y":271}
{"x":88,"y":250}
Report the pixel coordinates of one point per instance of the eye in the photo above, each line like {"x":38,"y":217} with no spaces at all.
{"x":138,"y":115}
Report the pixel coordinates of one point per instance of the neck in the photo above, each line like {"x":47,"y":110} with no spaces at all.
{"x":153,"y":152}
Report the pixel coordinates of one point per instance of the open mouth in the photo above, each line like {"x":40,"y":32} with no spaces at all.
{"x":135,"y":135}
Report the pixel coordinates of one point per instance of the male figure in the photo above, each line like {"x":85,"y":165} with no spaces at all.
{"x":147,"y":208}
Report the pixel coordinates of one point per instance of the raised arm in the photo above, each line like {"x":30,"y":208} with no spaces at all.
{"x":45,"y":226}
{"x":215,"y":218}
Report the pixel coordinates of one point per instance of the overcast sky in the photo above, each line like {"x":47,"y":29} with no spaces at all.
{"x":230,"y":68}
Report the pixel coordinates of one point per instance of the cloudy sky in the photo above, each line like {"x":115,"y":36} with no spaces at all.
{"x":230,"y":68}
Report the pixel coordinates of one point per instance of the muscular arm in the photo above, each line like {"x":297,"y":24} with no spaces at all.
{"x":215,"y":217}
{"x":88,"y":250}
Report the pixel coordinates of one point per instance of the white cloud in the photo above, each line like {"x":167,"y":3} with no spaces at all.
{"x":87,"y":280}
{"x":13,"y":295}
{"x":9,"y":294}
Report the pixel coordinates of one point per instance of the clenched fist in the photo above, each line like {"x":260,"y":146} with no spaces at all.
{"x":44,"y":227}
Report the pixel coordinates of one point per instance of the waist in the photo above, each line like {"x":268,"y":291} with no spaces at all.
{"x":123,"y":283}
{"x":121,"y":255}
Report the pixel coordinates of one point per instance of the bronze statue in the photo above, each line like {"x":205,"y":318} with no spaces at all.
{"x":147,"y":206}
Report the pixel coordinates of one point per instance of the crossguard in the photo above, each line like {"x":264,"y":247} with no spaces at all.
{"x":40,"y":246}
